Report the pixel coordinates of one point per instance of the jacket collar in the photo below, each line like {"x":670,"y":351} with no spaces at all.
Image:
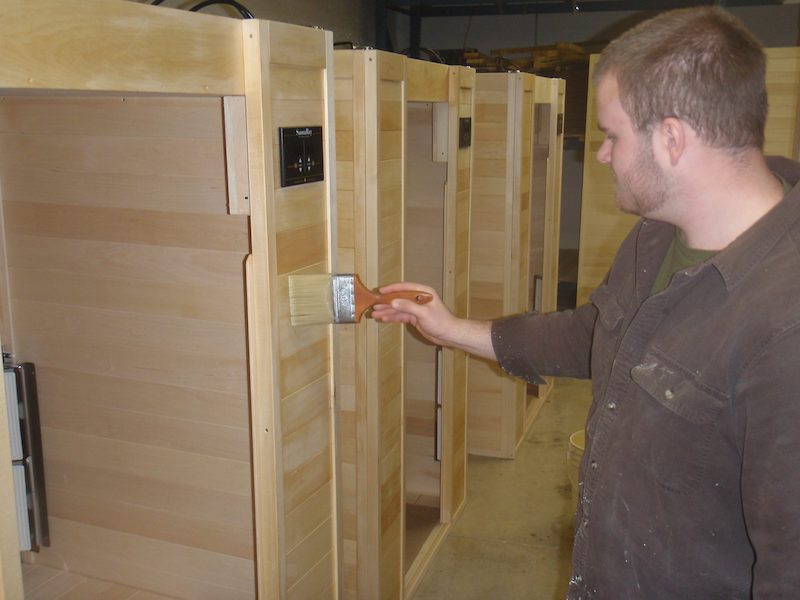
{"x":745,"y":252}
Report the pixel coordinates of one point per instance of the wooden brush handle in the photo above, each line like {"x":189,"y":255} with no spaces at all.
{"x":365,"y":298}
{"x":415,"y":295}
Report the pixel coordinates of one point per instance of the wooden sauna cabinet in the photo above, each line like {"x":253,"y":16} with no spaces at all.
{"x":603,"y":226}
{"x":403,"y":191}
{"x":516,"y":205}
{"x":146,"y":241}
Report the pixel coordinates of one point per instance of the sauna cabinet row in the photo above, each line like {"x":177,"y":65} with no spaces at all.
{"x":195,"y":444}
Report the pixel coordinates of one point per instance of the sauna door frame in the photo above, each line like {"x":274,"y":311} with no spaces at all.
{"x":52,"y":48}
{"x":503,"y":257}
{"x":374,"y":87}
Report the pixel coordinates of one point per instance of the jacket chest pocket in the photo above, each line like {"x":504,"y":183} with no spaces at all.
{"x":673,"y":440}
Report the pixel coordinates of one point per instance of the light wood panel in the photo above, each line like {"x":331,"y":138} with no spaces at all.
{"x":603,"y":226}
{"x":500,"y":205}
{"x":119,"y":240}
{"x":346,"y":67}
{"x":44,"y":583}
{"x":514,"y":231}
{"x":181,"y":477}
{"x":372,"y":92}
{"x":370,"y":100}
{"x":287,"y":85}
{"x":458,"y":195}
{"x":102,"y":46}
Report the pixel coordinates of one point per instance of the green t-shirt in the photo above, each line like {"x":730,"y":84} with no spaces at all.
{"x":679,"y":256}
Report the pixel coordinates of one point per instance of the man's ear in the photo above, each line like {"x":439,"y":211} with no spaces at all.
{"x":672,"y":135}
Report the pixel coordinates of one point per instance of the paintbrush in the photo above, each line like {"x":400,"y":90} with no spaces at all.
{"x":317,"y":299}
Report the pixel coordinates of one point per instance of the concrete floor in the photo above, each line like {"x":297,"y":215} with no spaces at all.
{"x":513,"y":539}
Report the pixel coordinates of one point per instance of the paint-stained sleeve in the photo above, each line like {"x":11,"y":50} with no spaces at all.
{"x":768,"y":405}
{"x":531,"y":345}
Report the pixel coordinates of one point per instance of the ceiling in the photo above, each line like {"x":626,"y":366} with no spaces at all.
{"x":451,"y":8}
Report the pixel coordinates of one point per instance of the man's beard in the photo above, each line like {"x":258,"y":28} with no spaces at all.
{"x":643,"y":188}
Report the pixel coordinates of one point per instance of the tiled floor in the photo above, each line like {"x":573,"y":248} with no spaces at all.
{"x":514,"y":538}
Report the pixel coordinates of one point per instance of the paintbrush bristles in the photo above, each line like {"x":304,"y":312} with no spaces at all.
{"x":310,"y":299}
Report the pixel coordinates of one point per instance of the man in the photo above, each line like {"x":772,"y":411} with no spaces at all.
{"x":688,"y":483}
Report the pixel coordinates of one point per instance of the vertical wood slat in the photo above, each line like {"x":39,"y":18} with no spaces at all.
{"x":10,"y":571}
{"x":260,"y":269}
{"x":551,"y":93}
{"x":346,"y":66}
{"x":516,"y":205}
{"x":372,"y":90}
{"x":290,"y":88}
{"x":236,"y":155}
{"x":498,"y":140}
{"x":384,"y":343}
{"x":457,"y":261}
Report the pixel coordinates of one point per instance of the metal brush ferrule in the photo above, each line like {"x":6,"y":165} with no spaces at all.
{"x":344,"y":299}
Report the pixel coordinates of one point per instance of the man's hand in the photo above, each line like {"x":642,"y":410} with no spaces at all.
{"x":435,"y":322}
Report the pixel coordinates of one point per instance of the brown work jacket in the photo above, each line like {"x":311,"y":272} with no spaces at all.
{"x":690,"y":482}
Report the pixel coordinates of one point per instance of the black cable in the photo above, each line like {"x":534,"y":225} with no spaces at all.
{"x":433,"y":55}
{"x":466,"y":34}
{"x":157,"y":2}
{"x":243,"y":10}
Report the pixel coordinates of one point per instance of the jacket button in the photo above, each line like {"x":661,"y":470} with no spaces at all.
{"x":669,"y":394}
{"x":612,"y":405}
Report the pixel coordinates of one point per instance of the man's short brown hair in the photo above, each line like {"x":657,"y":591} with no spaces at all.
{"x":700,"y":65}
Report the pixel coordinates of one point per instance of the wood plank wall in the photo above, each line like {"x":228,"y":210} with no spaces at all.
{"x":346,"y":182}
{"x":127,"y":292}
{"x":603,"y":227}
{"x":548,"y":154}
{"x":370,"y":124}
{"x":552,"y":92}
{"x":385,"y":244}
{"x":295,"y":77}
{"x":501,"y":223}
{"x":461,"y":83}
{"x":372,"y":89}
{"x":516,"y":207}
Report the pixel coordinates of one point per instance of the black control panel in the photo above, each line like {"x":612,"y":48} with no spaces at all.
{"x":301,"y":155}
